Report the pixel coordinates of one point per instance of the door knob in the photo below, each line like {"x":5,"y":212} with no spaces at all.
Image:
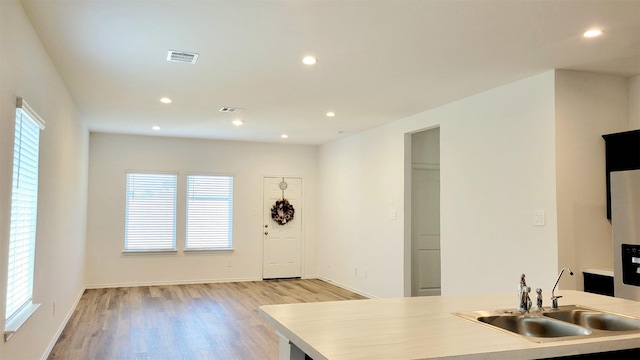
{"x":266,"y":226}
{"x":266,"y":233}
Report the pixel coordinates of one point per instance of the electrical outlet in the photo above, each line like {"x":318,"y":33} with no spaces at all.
{"x":229,"y":263}
{"x":355,"y":271}
{"x":54,"y":308}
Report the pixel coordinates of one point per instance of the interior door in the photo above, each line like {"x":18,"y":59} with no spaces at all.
{"x":425,"y":230}
{"x":282,"y":242}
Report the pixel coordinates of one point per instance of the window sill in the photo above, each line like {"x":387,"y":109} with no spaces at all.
{"x":208,"y":250}
{"x":12,"y":326}
{"x":146,"y":252}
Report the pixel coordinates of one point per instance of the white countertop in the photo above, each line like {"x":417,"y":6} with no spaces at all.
{"x":424,"y":328}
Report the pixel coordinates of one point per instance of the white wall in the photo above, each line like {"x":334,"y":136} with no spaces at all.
{"x":587,"y":106}
{"x":497,"y":166}
{"x":28,"y":72}
{"x":361,"y":182}
{"x":112,"y":155}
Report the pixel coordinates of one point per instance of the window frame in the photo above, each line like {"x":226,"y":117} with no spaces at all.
{"x":230,"y":198}
{"x":125,"y":243}
{"x":17,"y":312}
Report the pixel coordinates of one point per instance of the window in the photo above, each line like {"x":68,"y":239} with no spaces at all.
{"x":209,"y":212}
{"x":24,"y":211}
{"x":150,"y":223}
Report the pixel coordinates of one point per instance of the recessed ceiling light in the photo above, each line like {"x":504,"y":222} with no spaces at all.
{"x":156,"y":128}
{"x":309,"y":60}
{"x":237,"y":122}
{"x":592,"y":33}
{"x":284,"y":136}
{"x":331,"y":114}
{"x":165,"y":100}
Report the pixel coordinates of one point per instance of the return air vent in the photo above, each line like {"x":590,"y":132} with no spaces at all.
{"x":181,"y":56}
{"x":230,"y":109}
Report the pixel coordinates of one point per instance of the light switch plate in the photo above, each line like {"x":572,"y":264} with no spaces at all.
{"x":538,"y":217}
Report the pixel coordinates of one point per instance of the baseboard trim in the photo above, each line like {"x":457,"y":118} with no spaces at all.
{"x":67,"y":317}
{"x":165,"y":283}
{"x":338,"y":284}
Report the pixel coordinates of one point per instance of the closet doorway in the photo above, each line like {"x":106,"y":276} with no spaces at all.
{"x":425,"y":213}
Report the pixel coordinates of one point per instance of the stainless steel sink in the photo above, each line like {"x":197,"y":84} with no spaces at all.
{"x":567,"y":323}
{"x":534,"y":326}
{"x":594,"y":319}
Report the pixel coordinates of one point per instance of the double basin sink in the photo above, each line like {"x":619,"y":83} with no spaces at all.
{"x":569,"y":322}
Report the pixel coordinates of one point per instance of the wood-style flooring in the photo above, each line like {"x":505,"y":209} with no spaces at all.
{"x":197,"y":321}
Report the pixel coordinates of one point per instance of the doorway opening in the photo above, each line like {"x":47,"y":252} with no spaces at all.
{"x":425,"y":213}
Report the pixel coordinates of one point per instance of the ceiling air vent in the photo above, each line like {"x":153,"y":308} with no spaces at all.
{"x":181,"y":56}
{"x":230,"y":109}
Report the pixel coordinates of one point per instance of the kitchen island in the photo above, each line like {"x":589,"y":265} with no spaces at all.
{"x":425,"y":328}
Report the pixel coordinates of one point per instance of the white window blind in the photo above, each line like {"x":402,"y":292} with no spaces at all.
{"x":24,"y":211}
{"x":209,"y":212}
{"x":150,"y":223}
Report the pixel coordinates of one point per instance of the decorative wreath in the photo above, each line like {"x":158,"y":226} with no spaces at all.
{"x":282,"y":212}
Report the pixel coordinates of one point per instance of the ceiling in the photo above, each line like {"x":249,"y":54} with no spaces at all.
{"x":378,"y":61}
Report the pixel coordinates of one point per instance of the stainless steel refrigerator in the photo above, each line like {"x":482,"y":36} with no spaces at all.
{"x":625,"y":224}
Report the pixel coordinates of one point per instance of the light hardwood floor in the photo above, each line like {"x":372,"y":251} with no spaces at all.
{"x":198,"y":321}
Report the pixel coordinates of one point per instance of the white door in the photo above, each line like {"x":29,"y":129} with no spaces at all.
{"x":425,"y":231}
{"x":282,"y":242}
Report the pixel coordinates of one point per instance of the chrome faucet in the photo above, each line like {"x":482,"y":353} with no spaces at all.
{"x":554,"y":299}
